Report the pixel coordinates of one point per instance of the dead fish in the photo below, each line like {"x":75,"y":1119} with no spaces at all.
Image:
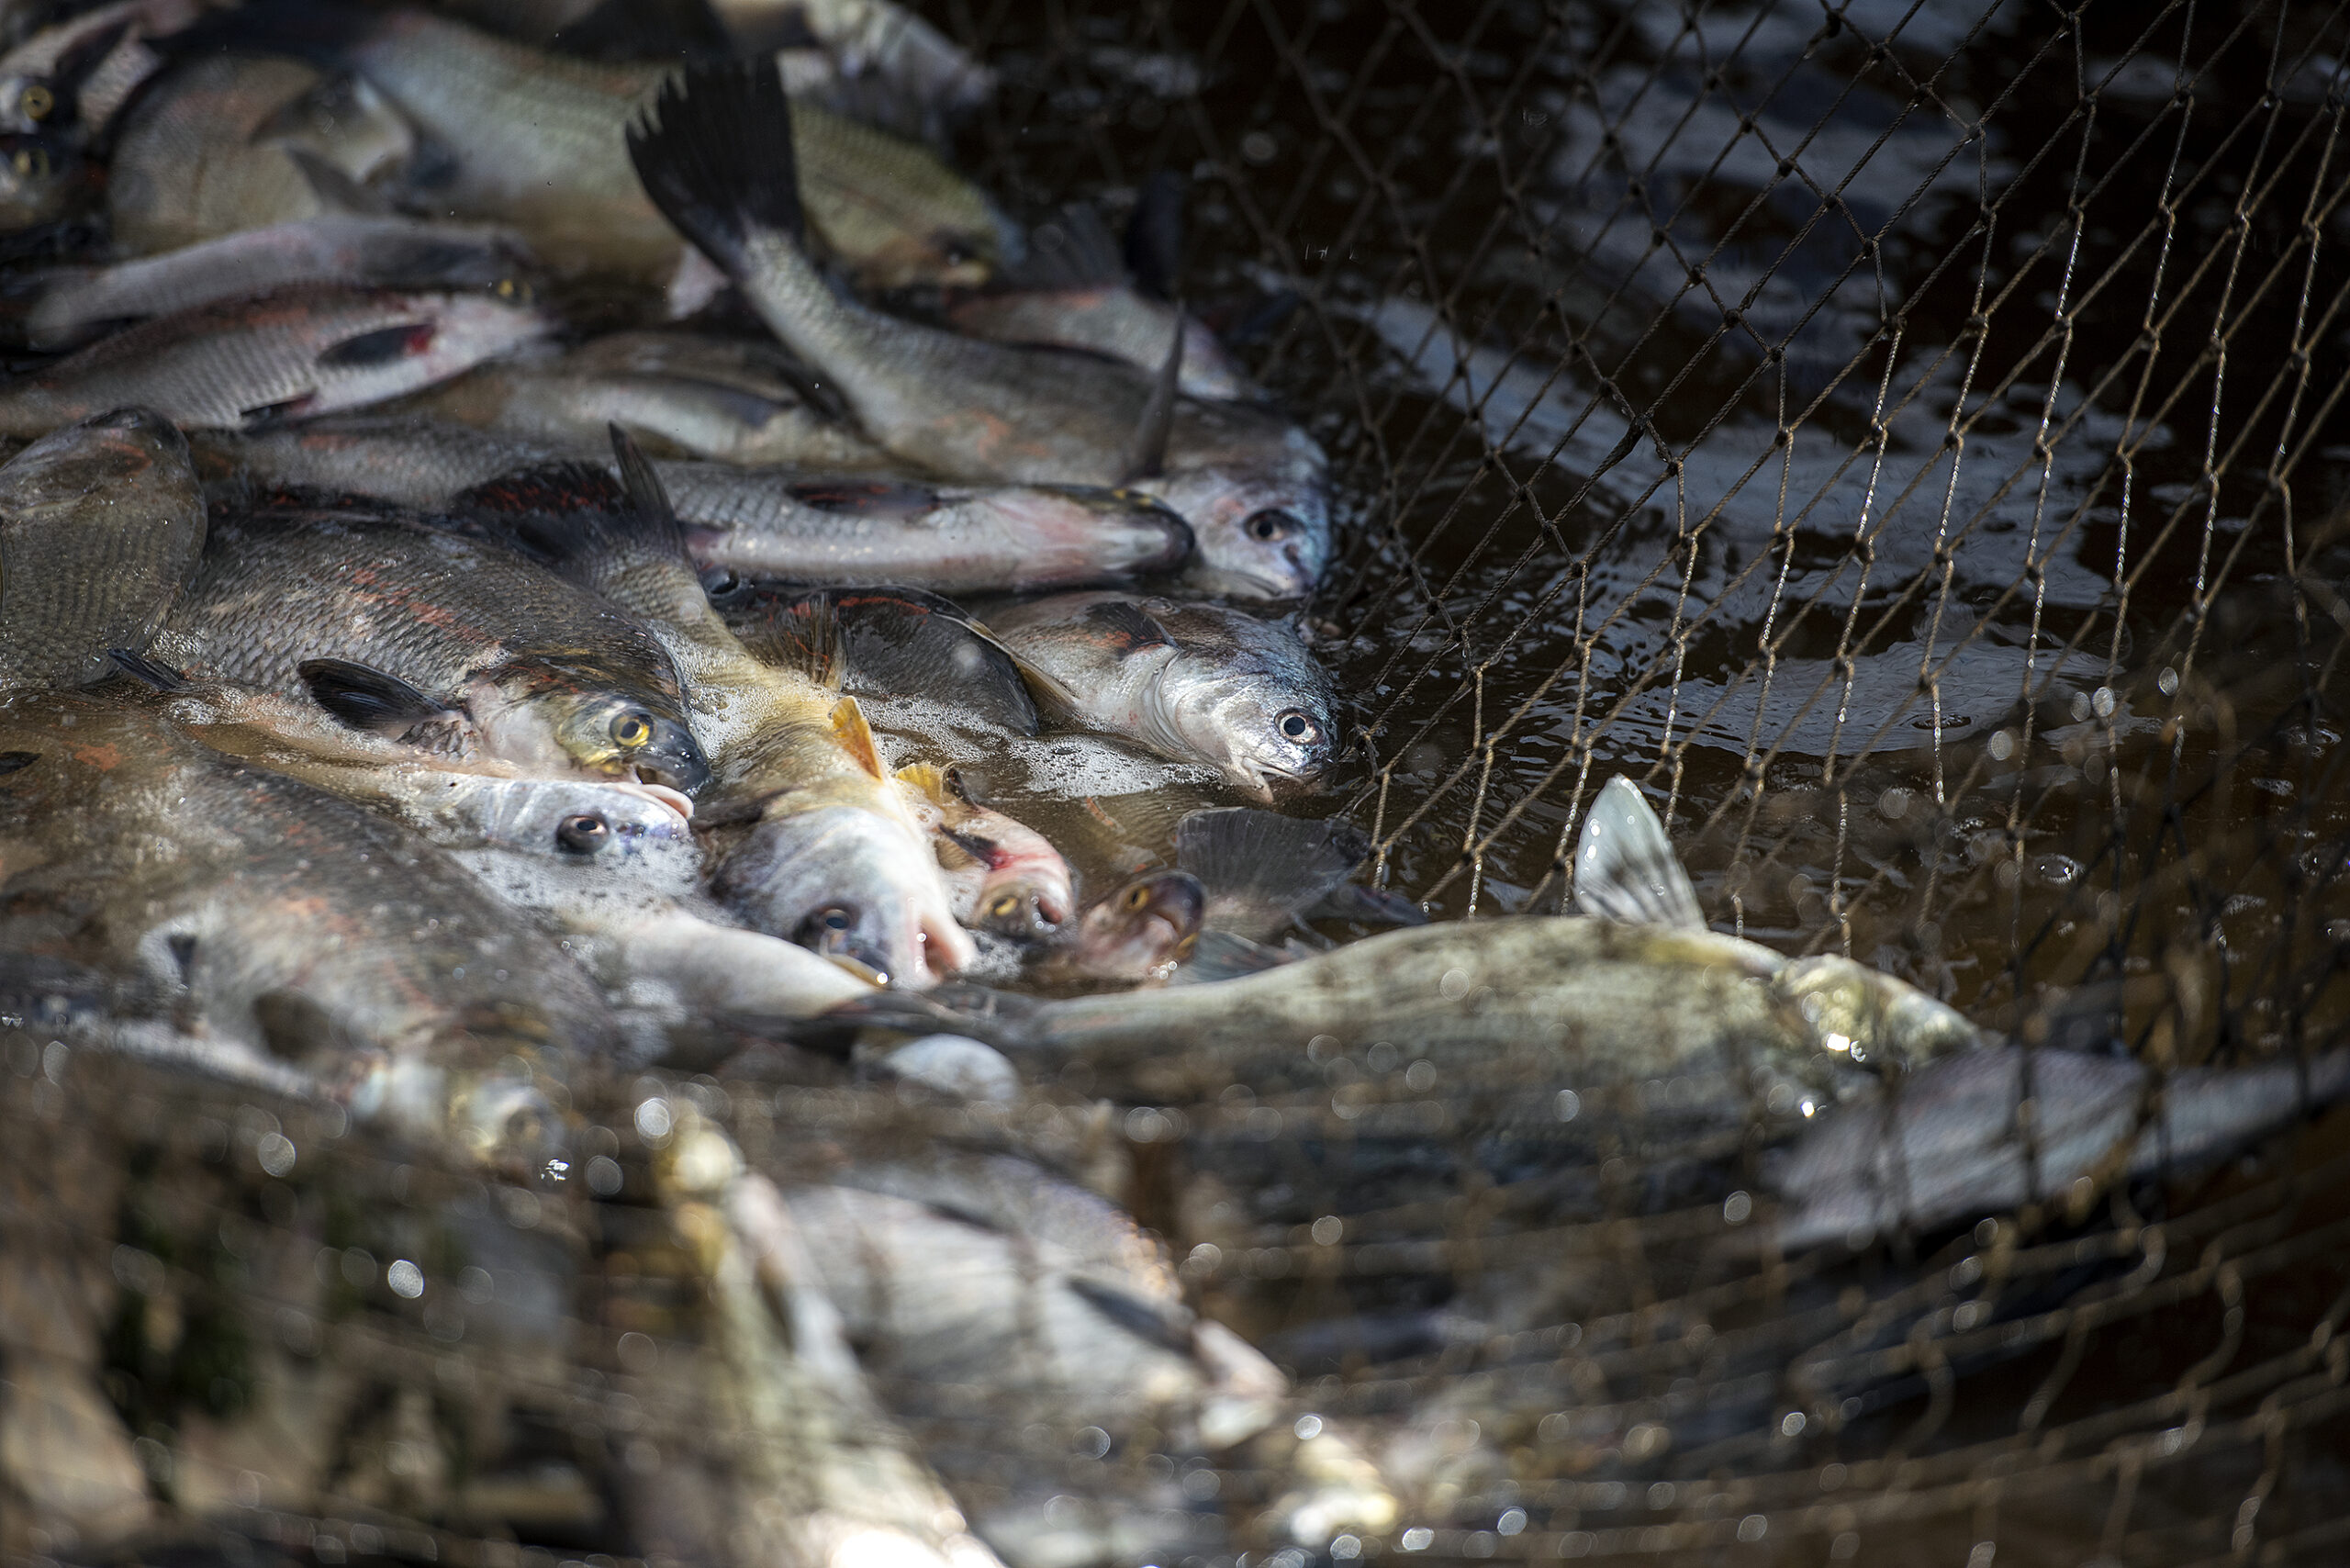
{"x":679,"y":395}
{"x":1192,"y":682}
{"x":77,"y":72}
{"x":1135,"y":935}
{"x":1594,"y":1004}
{"x":296,"y":941}
{"x":1004,"y":875}
{"x":443,"y":641}
{"x":1251,"y":485}
{"x":825,"y":854}
{"x":534,"y":140}
{"x":224,"y":143}
{"x":101,"y":524}
{"x":296,"y":352}
{"x":69,"y":305}
{"x":41,"y":181}
{"x":1949,"y":1144}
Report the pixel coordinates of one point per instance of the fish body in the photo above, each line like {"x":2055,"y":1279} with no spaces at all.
{"x":297,"y":352}
{"x":1948,"y":1144}
{"x":829,"y":855}
{"x":1251,"y":485}
{"x":294,"y":940}
{"x":101,"y":524}
{"x":350,"y":251}
{"x":1004,"y":875}
{"x":1114,"y":320}
{"x":679,"y":395}
{"x":535,"y":141}
{"x":495,"y":655}
{"x":1192,"y":682}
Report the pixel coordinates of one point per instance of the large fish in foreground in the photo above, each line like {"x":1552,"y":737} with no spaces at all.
{"x":1252,"y":486}
{"x":821,"y":850}
{"x":1520,"y":1007}
{"x":101,"y":524}
{"x":294,"y":354}
{"x":288,"y":938}
{"x":443,"y":641}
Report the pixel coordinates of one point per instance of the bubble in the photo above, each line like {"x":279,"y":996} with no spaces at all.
{"x":1737,"y":1208}
{"x":276,"y":1152}
{"x":405,"y":1279}
{"x":1327,"y":1230}
{"x":1512,"y":1522}
{"x":1307,"y":1427}
{"x":1418,"y":1537}
{"x":604,"y":1176}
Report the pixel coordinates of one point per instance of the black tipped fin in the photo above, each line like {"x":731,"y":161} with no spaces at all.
{"x":1223,"y":956}
{"x":1261,"y":868}
{"x":651,"y":516}
{"x":146,"y":671}
{"x":1145,"y":455}
{"x":367,"y":699}
{"x":714,"y":152}
{"x":1369,"y":906}
{"x":1155,"y":235}
{"x":1625,"y":867}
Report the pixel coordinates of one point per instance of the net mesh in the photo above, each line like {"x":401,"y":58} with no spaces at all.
{"x":1905,"y":439}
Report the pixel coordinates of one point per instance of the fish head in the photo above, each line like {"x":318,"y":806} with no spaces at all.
{"x":1871,"y":1018}
{"x":852,"y":884}
{"x":39,"y":180}
{"x":1273,"y":733}
{"x":1085,"y":533}
{"x":639,"y":836}
{"x":1143,"y":929}
{"x":1259,"y":535}
{"x":550,"y":713}
{"x":1026,"y":897}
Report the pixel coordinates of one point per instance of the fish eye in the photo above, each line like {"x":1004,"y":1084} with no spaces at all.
{"x":37,"y":101}
{"x":1297,"y":727}
{"x":632,"y":730}
{"x":720,"y":580}
{"x":1137,"y":897}
{"x":1004,"y":907}
{"x":513,"y":290}
{"x":1270,"y":524}
{"x":836,"y":919}
{"x":31,"y":161}
{"x":582,"y":834}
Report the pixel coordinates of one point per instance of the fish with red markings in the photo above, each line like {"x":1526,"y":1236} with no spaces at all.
{"x":297,"y":352}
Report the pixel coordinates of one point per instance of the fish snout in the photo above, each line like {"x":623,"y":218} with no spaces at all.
{"x":1151,"y":921}
{"x":669,"y":759}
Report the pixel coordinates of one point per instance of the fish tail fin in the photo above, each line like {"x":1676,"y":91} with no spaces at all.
{"x":1625,"y":867}
{"x":1264,"y":861}
{"x":714,"y":152}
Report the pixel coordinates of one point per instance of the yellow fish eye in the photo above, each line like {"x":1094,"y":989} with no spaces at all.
{"x":35,"y":101}
{"x":1137,"y":897}
{"x":632,"y":730}
{"x":1004,"y":907}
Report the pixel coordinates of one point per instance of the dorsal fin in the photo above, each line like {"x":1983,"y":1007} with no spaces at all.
{"x":1155,"y":235}
{"x":1625,"y":867}
{"x":856,"y":736}
{"x":926,"y":777}
{"x":1145,"y":455}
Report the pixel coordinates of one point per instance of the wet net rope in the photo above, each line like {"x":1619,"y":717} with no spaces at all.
{"x":1907,"y":439}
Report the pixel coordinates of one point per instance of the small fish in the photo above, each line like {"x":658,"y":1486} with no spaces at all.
{"x":825,"y":854}
{"x":294,"y":354}
{"x":448,"y":642}
{"x":77,"y":72}
{"x":1595,"y":1004}
{"x":1948,"y":1144}
{"x":1005,"y":876}
{"x":69,"y":304}
{"x":678,"y":394}
{"x":535,"y":141}
{"x":101,"y":524}
{"x":1251,"y":485}
{"x":1192,"y":682}
{"x":1137,"y":936}
{"x":41,"y":181}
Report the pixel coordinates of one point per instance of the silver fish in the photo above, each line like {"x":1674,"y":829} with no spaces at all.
{"x":298,"y":352}
{"x":1192,"y":682}
{"x":1251,"y":485}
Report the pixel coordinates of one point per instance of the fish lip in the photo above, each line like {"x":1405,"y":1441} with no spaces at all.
{"x":677,"y":800}
{"x":1251,"y":582}
{"x":672,"y":760}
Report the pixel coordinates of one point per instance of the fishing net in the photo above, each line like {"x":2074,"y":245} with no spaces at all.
{"x":1905,"y":440}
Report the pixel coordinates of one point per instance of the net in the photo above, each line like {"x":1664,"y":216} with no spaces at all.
{"x":1904,"y":438}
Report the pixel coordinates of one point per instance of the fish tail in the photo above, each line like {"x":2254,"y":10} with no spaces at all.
{"x":1265,"y":859}
{"x":714,"y":152}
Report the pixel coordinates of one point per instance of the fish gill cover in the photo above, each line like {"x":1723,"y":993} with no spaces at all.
{"x":1906,"y":441}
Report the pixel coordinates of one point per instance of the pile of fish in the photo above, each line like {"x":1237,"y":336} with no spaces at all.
{"x":531,"y":575}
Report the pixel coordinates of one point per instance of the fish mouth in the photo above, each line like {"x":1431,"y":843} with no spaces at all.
{"x":1290,"y":580}
{"x":677,"y":800}
{"x":671,"y":761}
{"x":1155,"y":918}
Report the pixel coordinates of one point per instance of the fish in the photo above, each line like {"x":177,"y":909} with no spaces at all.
{"x":447,"y":642}
{"x":79,"y":70}
{"x":1947,"y":1144}
{"x":893,"y":641}
{"x":1135,"y":935}
{"x":100,"y":526}
{"x":296,"y":352}
{"x":1073,"y":289}
{"x":1198,"y":683}
{"x":548,"y":157}
{"x":1586,"y":1002}
{"x":680,"y":394}
{"x":823,"y":852}
{"x":1004,"y":875}
{"x":42,"y":181}
{"x":226,"y":142}
{"x":867,"y":37}
{"x":295,"y":942}
{"x":1251,"y":485}
{"x":1262,"y":870}
{"x":767,"y":523}
{"x":67,"y":306}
